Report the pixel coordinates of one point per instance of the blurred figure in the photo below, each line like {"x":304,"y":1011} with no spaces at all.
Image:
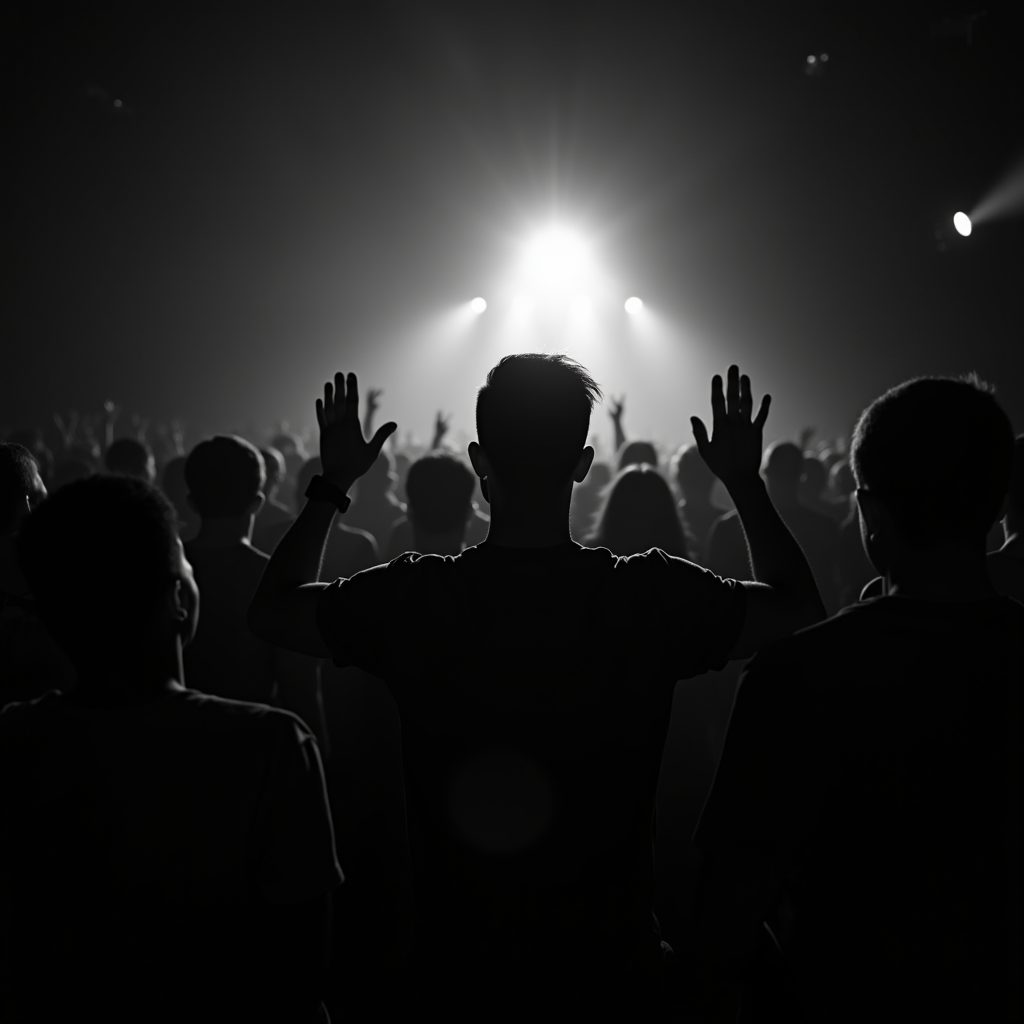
{"x":66,"y":471}
{"x":586,"y":501}
{"x":293,"y":450}
{"x":636,"y":453}
{"x":1006,"y":566}
{"x":225,"y":477}
{"x":817,"y":535}
{"x":32,"y":439}
{"x":375,"y":508}
{"x":695,"y":482}
{"x":145,"y":822}
{"x":639,"y":513}
{"x":862,"y":839}
{"x":173,"y":484}
{"x":402,"y":463}
{"x":131,"y":458}
{"x":274,"y":513}
{"x":440,"y":489}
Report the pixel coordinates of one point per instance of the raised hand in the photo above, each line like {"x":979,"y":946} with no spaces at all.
{"x":441,"y":426}
{"x":346,"y":455}
{"x":733,"y":453}
{"x":617,"y":409}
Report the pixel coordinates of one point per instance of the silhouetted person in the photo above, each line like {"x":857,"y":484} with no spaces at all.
{"x":293,"y":451}
{"x":586,"y":500}
{"x":374,"y":507}
{"x":225,"y":477}
{"x":636,"y":453}
{"x":167,"y":855}
{"x":817,"y":535}
{"x":639,"y":513}
{"x":1006,"y":566}
{"x":132,"y":458}
{"x":172,"y":483}
{"x":440,"y":490}
{"x":867,"y":804}
{"x":532,"y":722}
{"x":274,"y":515}
{"x":695,"y":482}
{"x":30,"y":661}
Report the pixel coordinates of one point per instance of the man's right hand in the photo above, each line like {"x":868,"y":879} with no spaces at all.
{"x":734,"y":451}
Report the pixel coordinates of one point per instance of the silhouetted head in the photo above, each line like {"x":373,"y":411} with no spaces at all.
{"x":32,"y":439}
{"x":532,"y":421}
{"x":440,"y":489}
{"x":783,"y":465}
{"x":694,"y":478}
{"x":951,"y":489}
{"x":1015,"y":494}
{"x":225,"y":477}
{"x":639,"y":513}
{"x":636,"y":453}
{"x":105,"y":566}
{"x":21,"y":487}
{"x":132,"y":458}
{"x":814,"y":477}
{"x":276,"y":469}
{"x":68,"y":470}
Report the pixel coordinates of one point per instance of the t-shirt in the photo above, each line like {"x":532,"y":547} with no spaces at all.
{"x":879,"y":753}
{"x":534,"y":689}
{"x":138,"y":845}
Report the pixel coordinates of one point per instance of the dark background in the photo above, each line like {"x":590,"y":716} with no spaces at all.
{"x":288,"y":189}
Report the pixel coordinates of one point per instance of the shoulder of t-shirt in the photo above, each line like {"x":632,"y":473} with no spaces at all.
{"x":20,"y":710}
{"x":209,"y":713}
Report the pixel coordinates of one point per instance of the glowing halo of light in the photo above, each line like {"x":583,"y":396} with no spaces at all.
{"x":634,"y":305}
{"x":478,"y":305}
{"x":556,"y":260}
{"x":962,"y":223}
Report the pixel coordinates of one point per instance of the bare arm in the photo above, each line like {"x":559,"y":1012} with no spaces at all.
{"x":616,"y":414}
{"x":784,"y":597}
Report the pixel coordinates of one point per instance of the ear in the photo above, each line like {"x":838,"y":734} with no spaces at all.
{"x":583,"y":466}
{"x":478,"y":459}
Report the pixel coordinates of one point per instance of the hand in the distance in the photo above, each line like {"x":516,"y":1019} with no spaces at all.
{"x":441,"y":425}
{"x":733,"y":453}
{"x":617,"y":408}
{"x":346,"y":455}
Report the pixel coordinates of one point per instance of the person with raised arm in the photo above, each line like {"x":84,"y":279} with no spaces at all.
{"x":532,"y":740}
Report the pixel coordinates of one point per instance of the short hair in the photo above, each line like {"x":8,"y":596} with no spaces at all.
{"x":639,"y":513}
{"x":285,"y":442}
{"x":275,"y":466}
{"x":16,"y":481}
{"x":126,"y":455}
{"x":533,"y":418}
{"x":784,"y":462}
{"x":950,"y":488}
{"x":440,"y":491}
{"x":692,"y":473}
{"x":224,"y":475}
{"x":1015,"y":491}
{"x":636,"y":453}
{"x":97,"y":557}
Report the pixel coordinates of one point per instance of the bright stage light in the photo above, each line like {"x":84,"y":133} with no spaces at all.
{"x":962,"y":223}
{"x":478,"y":305}
{"x":634,"y":305}
{"x":556,"y":260}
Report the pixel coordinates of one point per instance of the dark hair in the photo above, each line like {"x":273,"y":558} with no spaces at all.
{"x":16,"y":476}
{"x":639,"y":513}
{"x":1016,"y":488}
{"x":692,"y":474}
{"x":284,"y":441}
{"x":275,"y":466}
{"x":224,"y":476}
{"x":129,"y":456}
{"x":440,"y":489}
{"x":533,"y":417}
{"x":784,"y":462}
{"x":949,"y":488}
{"x":97,"y":557}
{"x":636,"y":453}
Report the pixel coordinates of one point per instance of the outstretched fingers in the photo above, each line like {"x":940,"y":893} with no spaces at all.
{"x":762,"y":413}
{"x":732,"y":390}
{"x":717,"y":399}
{"x":382,"y":434}
{"x":352,"y":398}
{"x":746,"y":399}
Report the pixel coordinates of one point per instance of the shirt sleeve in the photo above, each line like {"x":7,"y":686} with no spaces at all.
{"x":775,"y":763}
{"x":295,"y":858}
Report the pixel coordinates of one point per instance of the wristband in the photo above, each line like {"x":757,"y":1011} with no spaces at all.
{"x":321,"y":489}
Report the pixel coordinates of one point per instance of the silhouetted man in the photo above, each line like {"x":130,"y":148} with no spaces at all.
{"x":532,"y":740}
{"x":132,"y":458}
{"x":166,"y":855}
{"x":867,"y":803}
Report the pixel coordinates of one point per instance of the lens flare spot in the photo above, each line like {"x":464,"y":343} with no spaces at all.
{"x":634,"y":305}
{"x":962,"y":223}
{"x":478,"y":305}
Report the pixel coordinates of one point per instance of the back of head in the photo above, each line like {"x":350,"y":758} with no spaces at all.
{"x":274,"y":464}
{"x":440,"y":489}
{"x":949,"y":490}
{"x":636,"y":453}
{"x":17,"y":482}
{"x":130,"y":457}
{"x":533,"y":418}
{"x":1015,"y":506}
{"x":692,"y":474}
{"x":640,"y":513}
{"x":287,"y":444}
{"x":814,"y":477}
{"x":225,"y":475}
{"x":784,"y":464}
{"x":114,"y":536}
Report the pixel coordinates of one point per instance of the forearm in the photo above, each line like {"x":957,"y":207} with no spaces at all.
{"x":775,"y":556}
{"x":620,"y":435}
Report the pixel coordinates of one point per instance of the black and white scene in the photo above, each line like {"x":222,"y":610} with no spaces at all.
{"x":512,"y":511}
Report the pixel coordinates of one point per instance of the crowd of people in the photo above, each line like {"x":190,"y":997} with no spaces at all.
{"x":398,"y":732}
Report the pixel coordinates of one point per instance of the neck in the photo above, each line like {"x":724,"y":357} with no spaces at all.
{"x":128,"y":685}
{"x":947,"y":575}
{"x":528,"y":522}
{"x":223,"y":533}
